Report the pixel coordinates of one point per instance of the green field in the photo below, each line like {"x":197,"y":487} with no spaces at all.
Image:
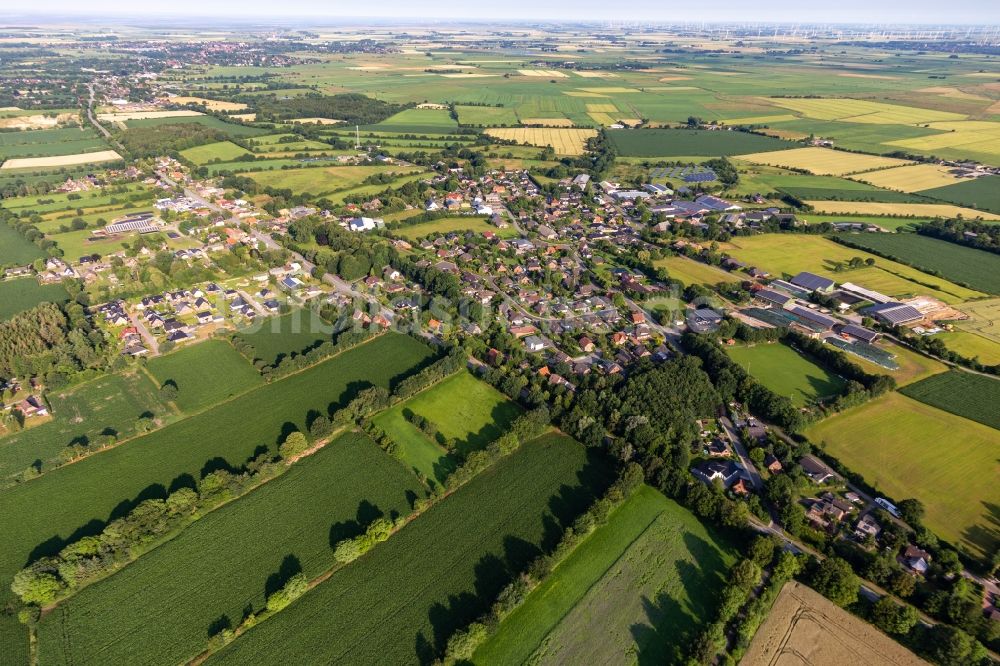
{"x":205,"y":374}
{"x":977,"y":268}
{"x":75,"y":500}
{"x":786,"y":372}
{"x":162,"y":608}
{"x":108,"y":404}
{"x":675,"y":143}
{"x":972,"y":345}
{"x":231,"y":129}
{"x":982,"y":193}
{"x":890,"y":223}
{"x":418,"y":121}
{"x":638,"y":589}
{"x":908,"y":449}
{"x":324,"y":181}
{"x":25,"y":293}
{"x":447,"y":225}
{"x":290,"y":334}
{"x":486,"y":115}
{"x":455,"y":560}
{"x":972,"y":396}
{"x":463,"y":408}
{"x":49,"y":142}
{"x":15,"y":249}
{"x":221,"y":151}
{"x":691,"y":272}
{"x":55,"y":202}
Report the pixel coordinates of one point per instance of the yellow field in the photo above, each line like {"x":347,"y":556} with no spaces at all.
{"x":602,"y":118}
{"x":822,"y":161}
{"x":36,"y":121}
{"x":597,"y":75}
{"x":544,"y":73}
{"x":211,"y":104}
{"x":911,"y":178}
{"x":143,"y":115}
{"x":249,"y":117}
{"x":861,"y":111}
{"x":611,"y":90}
{"x":690,"y":272}
{"x":920,"y":210}
{"x":60,"y":160}
{"x":548,"y":122}
{"x":563,"y":141}
{"x":759,"y":120}
{"x":316,"y":121}
{"x":580,"y":93}
{"x":980,"y":136}
{"x":602,"y":108}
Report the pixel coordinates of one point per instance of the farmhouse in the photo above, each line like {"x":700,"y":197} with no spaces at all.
{"x":725,"y":471}
{"x":812,"y":282}
{"x":859,"y":333}
{"x":894,"y":313}
{"x":816,"y":469}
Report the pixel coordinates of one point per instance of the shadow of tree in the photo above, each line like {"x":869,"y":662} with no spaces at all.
{"x":290,"y":566}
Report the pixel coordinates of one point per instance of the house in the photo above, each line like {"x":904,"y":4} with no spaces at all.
{"x":717,"y":448}
{"x":32,"y":406}
{"x":867,"y":527}
{"x":178,"y":336}
{"x":533,"y":343}
{"x":916,"y":559}
{"x":366,"y":224}
{"x":812,"y":282}
{"x":204,"y":317}
{"x":772,"y":464}
{"x":710,"y":471}
{"x":586,"y":344}
{"x":817,"y":471}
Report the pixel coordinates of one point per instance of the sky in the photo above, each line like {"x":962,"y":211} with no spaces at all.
{"x":977,"y":12}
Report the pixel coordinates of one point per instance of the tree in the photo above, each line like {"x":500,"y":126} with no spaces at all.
{"x":912,"y":510}
{"x":762,"y":549}
{"x":902,"y":584}
{"x":35,"y":587}
{"x":835,"y":579}
{"x":293,"y":445}
{"x":462,"y":644}
{"x":292,"y":590}
{"x":893,"y":618}
{"x":949,"y":646}
{"x":348,"y":550}
{"x":745,"y":575}
{"x":168,"y":392}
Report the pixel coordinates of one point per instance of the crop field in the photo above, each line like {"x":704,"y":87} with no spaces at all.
{"x":915,"y":209}
{"x":49,"y":142}
{"x":15,"y":249}
{"x":822,"y":161}
{"x":968,"y":139}
{"x":972,"y":345}
{"x":22,"y":294}
{"x":677,"y":142}
{"x":323,"y":181}
{"x":418,"y":121}
{"x":982,"y":193}
{"x":211,"y":104}
{"x":205,"y":374}
{"x":637,"y":589}
{"x":804,"y":627}
{"x":146,"y":115}
{"x":912,"y":178}
{"x":786,"y":372}
{"x":984,"y":319}
{"x":53,"y":202}
{"x":61,"y":160}
{"x":446,"y":225}
{"x":163,"y":607}
{"x":977,"y":268}
{"x":972,"y":396}
{"x":290,"y":334}
{"x":75,"y":500}
{"x":233,"y":129}
{"x":223,"y":151}
{"x":80,"y":414}
{"x":691,"y":272}
{"x":863,"y":111}
{"x":486,"y":115}
{"x":563,"y":141}
{"x":469,"y":546}
{"x":789,"y":254}
{"x":906,"y":448}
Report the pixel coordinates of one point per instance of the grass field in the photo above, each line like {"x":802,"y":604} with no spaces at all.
{"x":418,"y":121}
{"x":908,"y":449}
{"x":916,"y":209}
{"x":461,"y":553}
{"x":790,"y":254}
{"x":864,"y":111}
{"x":25,"y":293}
{"x":232,"y":129}
{"x":564,"y":141}
{"x":205,"y":374}
{"x":984,"y":319}
{"x":822,"y":161}
{"x":49,"y":142}
{"x":981,"y":193}
{"x":323,"y":181}
{"x":976,"y":268}
{"x":447,"y":225}
{"x":61,"y":160}
{"x":815,"y":630}
{"x":146,"y":115}
{"x":691,"y":272}
{"x":890,"y":223}
{"x":291,"y":334}
{"x":911,"y":178}
{"x":972,"y":345}
{"x":974,"y":397}
{"x":162,"y":608}
{"x":15,"y":249}
{"x":786,"y":372}
{"x":223,"y":151}
{"x":109,"y":404}
{"x":637,"y":590}
{"x":676,"y":142}
{"x":75,"y":500}
{"x":486,"y":115}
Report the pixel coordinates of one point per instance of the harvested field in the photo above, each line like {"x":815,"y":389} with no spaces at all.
{"x":805,"y":628}
{"x":863,"y":111}
{"x":563,"y":141}
{"x":822,"y":161}
{"x":968,"y":136}
{"x":37,"y":121}
{"x":146,"y":115}
{"x":315,"y":121}
{"x":61,"y":160}
{"x":550,"y":73}
{"x":984,"y":319}
{"x":548,"y":122}
{"x":210,"y":104}
{"x":691,"y":272}
{"x":912,"y":178}
{"x":918,"y":210}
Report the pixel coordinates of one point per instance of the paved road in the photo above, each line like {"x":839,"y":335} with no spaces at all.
{"x":147,"y":336}
{"x":741,"y":451}
{"x":93,"y":120}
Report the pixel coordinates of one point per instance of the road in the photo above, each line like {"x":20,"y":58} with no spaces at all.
{"x":147,"y":336}
{"x":741,"y":451}
{"x":93,"y":120}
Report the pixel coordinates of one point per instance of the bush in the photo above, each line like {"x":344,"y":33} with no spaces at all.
{"x":293,"y":445}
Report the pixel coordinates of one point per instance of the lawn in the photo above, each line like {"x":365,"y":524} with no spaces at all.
{"x":323,"y":181}
{"x":23,"y":294}
{"x":678,"y":142}
{"x":205,"y":374}
{"x":108,"y":404}
{"x":76,"y":500}
{"x":399,"y":603}
{"x":291,"y":334}
{"x":638,"y":589}
{"x":791,"y":253}
{"x":972,"y":396}
{"x":447,"y":225}
{"x":908,"y":449}
{"x":691,"y":272}
{"x":786,"y":372}
{"x":15,"y":249}
{"x":977,"y":268}
{"x":463,"y":408}
{"x":221,"y":151}
{"x":162,"y":608}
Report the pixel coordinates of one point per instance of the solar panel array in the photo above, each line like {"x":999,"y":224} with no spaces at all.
{"x":689,"y":174}
{"x":866,"y":351}
{"x":895,"y":313}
